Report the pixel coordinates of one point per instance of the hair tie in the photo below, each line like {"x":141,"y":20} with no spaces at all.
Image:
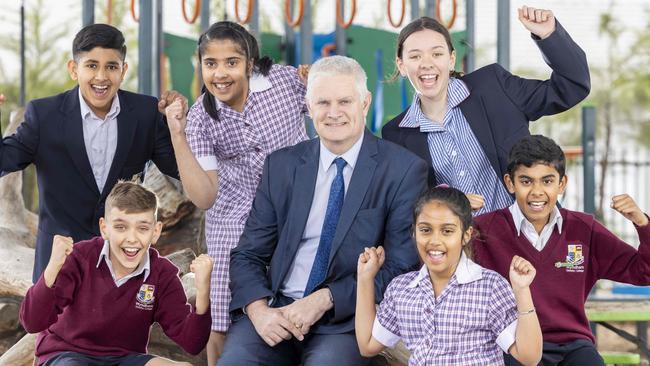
{"x":442,"y":185}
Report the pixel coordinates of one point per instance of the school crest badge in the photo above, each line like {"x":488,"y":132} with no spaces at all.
{"x":574,"y":259}
{"x":145,"y":297}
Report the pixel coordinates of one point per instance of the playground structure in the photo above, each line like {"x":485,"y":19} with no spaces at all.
{"x":168,"y":62}
{"x":373,"y":48}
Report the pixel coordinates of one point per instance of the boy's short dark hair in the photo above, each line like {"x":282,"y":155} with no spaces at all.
{"x":536,"y":149}
{"x":98,"y":35}
{"x":132,"y":197}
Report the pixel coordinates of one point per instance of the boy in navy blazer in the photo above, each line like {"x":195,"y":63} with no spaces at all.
{"x":84,"y":140}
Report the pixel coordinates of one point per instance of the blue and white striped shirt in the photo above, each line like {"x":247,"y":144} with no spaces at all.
{"x":458,"y":158}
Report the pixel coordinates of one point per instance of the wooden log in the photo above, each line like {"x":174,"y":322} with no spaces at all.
{"x":161,"y":345}
{"x":397,"y":356}
{"x":173,"y":205}
{"x":9,"y":317}
{"x":21,"y":354}
{"x":182,"y":221}
{"x":17,"y":231}
{"x":182,"y":259}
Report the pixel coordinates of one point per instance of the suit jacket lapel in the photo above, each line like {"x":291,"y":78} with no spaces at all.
{"x":302,"y":196}
{"x":74,"y":137}
{"x":126,"y":127}
{"x":359,"y":184}
{"x":474,"y":113}
{"x":416,"y":142}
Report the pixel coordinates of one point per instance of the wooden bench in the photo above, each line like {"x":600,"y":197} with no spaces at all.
{"x":604,"y":312}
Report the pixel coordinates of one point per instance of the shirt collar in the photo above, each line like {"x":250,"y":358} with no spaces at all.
{"x":327,"y":157}
{"x":257,"y":83}
{"x":144,"y":267}
{"x":457,"y":92}
{"x":85,"y":109}
{"x":467,"y":271}
{"x":519,"y":218}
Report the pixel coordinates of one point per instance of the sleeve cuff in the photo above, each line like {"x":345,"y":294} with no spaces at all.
{"x":507,"y":337}
{"x":208,"y":162}
{"x":42,"y":292}
{"x":646,"y":228}
{"x":269,"y":302}
{"x":383,"y":335}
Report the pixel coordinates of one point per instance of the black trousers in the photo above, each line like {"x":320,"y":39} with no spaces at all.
{"x":577,"y":353}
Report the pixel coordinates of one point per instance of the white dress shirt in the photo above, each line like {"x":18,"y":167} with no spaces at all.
{"x":143,"y":267}
{"x":296,"y":280}
{"x":523,"y":225}
{"x":100,"y":138}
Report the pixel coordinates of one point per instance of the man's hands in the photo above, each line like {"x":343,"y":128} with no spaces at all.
{"x":271,"y":324}
{"x":275,"y":325}
{"x":626,"y":206}
{"x":305,"y":312}
{"x":540,"y":22}
{"x":62,"y":247}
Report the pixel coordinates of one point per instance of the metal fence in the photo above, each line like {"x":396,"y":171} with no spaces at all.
{"x":628,"y":172}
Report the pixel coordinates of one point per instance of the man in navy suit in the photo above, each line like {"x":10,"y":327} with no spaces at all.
{"x":84,"y":140}
{"x":318,"y":205}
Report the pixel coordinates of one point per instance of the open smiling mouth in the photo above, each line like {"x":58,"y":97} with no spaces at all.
{"x":222,"y":86}
{"x":436,"y":256}
{"x":99,"y":90}
{"x":537,"y":206}
{"x":130,"y":252}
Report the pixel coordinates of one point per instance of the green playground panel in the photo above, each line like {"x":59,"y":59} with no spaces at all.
{"x":618,"y":316}
{"x":621,"y":358}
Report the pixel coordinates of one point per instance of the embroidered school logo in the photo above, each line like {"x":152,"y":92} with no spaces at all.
{"x":574,"y":259}
{"x":145,"y":297}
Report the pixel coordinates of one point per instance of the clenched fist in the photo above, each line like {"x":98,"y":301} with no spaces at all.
{"x":522,"y":273}
{"x":540,"y":22}
{"x":62,"y":247}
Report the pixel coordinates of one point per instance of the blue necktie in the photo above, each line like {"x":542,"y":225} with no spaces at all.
{"x":334,"y":205}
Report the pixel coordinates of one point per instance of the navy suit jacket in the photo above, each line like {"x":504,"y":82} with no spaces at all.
{"x":500,"y":105}
{"x":377,"y":210}
{"x":51,"y":138}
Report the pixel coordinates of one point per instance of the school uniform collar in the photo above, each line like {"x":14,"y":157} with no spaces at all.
{"x":144,"y":267}
{"x":257,"y":83}
{"x":85,"y":109}
{"x":519,"y":218}
{"x":466,"y":272}
{"x":457,"y":92}
{"x":327,"y":157}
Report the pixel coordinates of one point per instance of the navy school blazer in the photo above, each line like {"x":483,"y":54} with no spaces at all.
{"x":51,"y":138}
{"x":377,"y":210}
{"x":500,"y":104}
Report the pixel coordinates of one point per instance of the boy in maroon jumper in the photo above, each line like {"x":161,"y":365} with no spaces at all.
{"x":569,"y":249}
{"x":97,"y":299}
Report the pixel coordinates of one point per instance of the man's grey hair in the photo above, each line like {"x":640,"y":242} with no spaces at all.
{"x":334,"y":66}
